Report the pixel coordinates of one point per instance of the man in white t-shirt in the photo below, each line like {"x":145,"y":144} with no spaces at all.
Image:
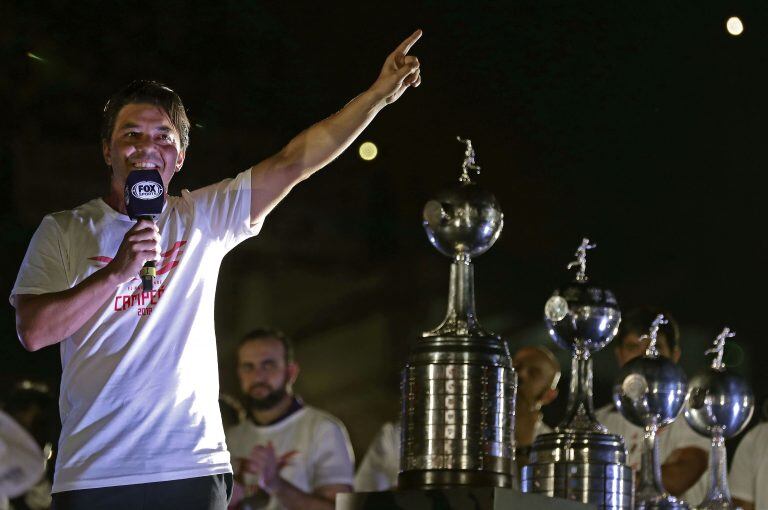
{"x":748,"y":479}
{"x":141,"y":426}
{"x":538,"y":374}
{"x":683,"y":452}
{"x":287,"y":455}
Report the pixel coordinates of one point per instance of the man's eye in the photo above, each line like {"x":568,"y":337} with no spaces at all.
{"x":132,"y":134}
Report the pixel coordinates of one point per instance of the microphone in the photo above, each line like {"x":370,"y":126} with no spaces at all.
{"x":144,"y":198}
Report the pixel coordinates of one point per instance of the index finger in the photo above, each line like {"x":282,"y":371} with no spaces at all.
{"x":405,"y":46}
{"x":143,"y":223}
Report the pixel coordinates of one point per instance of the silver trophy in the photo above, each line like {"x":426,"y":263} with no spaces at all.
{"x":719,"y":405}
{"x":458,"y":385}
{"x":580,"y":460}
{"x":650,"y":392}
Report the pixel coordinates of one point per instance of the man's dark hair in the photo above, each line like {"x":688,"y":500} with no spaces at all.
{"x":638,"y":321}
{"x":152,"y":92}
{"x":270,"y":333}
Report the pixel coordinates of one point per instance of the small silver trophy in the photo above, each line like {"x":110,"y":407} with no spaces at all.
{"x":580,"y":460}
{"x":582,"y":319}
{"x":719,"y":405}
{"x":458,"y":385}
{"x":650,"y":392}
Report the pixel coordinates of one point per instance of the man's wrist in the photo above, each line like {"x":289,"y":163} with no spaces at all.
{"x":275,"y":487}
{"x":374,"y":99}
{"x":109,"y":276}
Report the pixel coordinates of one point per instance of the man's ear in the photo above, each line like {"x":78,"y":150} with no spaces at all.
{"x":676,"y":355}
{"x":293,"y":372}
{"x":107,"y":152}
{"x":549,"y":396}
{"x":180,"y":160}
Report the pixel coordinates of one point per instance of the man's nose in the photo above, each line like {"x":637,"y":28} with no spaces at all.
{"x":143,"y":144}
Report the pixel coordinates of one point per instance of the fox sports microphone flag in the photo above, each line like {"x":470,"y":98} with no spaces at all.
{"x":144,"y":198}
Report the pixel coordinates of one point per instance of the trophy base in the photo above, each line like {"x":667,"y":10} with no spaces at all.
{"x":580,"y":466}
{"x":717,"y":504}
{"x":664,"y":502}
{"x":440,"y":478}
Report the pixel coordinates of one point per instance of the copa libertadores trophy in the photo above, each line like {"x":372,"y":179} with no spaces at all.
{"x":719,"y":405}
{"x":458,"y":385}
{"x":650,"y":392}
{"x":580,"y":460}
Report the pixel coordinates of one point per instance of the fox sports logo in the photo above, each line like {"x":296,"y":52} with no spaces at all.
{"x":147,"y":190}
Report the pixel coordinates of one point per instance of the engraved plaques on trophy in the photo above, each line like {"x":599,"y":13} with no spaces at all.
{"x":458,"y":385}
{"x":649,"y":392}
{"x":719,"y":405}
{"x":580,"y":460}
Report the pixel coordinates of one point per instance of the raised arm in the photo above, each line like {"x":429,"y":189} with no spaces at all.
{"x":318,"y":145}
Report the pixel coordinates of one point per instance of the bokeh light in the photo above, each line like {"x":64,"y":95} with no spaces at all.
{"x":734,"y":26}
{"x":368,"y":151}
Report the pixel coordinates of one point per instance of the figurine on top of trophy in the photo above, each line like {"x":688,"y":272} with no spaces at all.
{"x":458,"y":384}
{"x":650,"y":392}
{"x":719,"y":405}
{"x":580,"y":460}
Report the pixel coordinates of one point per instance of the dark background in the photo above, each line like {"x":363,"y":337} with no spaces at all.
{"x":639,"y":124}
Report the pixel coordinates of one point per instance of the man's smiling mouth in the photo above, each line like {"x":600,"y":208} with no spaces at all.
{"x":144,"y":165}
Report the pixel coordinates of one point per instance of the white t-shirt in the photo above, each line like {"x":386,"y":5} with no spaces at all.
{"x":140,"y":384}
{"x":748,"y":479}
{"x":381,"y":464}
{"x":677,"y":434}
{"x":313,"y":446}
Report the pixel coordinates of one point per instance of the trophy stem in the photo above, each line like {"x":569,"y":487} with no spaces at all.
{"x":650,"y":493}
{"x":460,"y":318}
{"x":580,"y":413}
{"x":650,"y":484}
{"x":718,"y":495}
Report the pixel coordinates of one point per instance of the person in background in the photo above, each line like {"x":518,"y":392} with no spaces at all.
{"x":538,"y":373}
{"x":286,"y":455}
{"x":748,"y":479}
{"x":29,"y":430}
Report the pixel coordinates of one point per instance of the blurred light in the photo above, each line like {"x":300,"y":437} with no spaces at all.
{"x":368,"y":151}
{"x":35,"y":57}
{"x":734,"y":26}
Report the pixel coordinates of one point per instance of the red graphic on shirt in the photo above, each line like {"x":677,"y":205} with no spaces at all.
{"x":174,"y":253}
{"x":144,"y":301}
